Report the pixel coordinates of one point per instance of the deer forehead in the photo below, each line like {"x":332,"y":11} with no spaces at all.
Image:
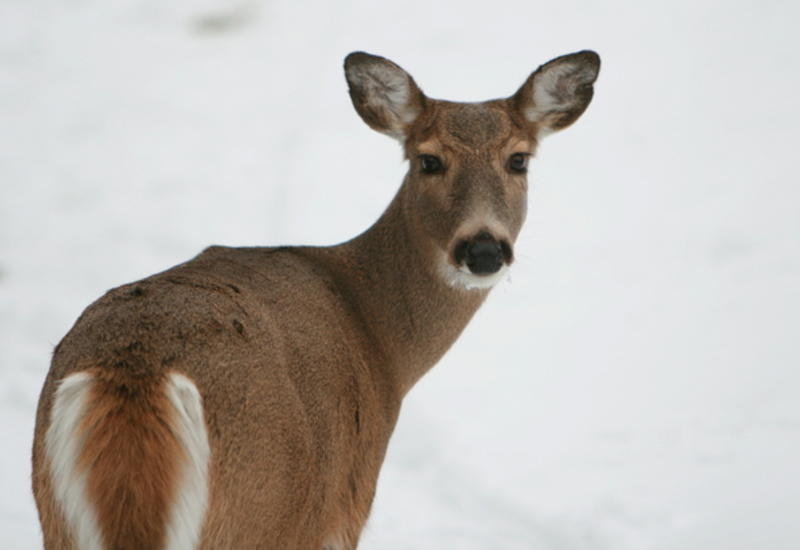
{"x":475,"y":126}
{"x":467,"y":127}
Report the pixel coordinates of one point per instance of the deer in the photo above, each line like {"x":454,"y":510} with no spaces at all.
{"x":246,"y":398}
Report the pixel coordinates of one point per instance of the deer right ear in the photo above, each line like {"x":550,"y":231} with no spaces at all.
{"x":385,"y":96}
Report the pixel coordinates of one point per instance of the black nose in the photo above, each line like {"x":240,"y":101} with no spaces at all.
{"x":483,"y":254}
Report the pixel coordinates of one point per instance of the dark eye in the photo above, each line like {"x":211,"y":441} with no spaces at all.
{"x":518,"y":162}
{"x":430,"y":164}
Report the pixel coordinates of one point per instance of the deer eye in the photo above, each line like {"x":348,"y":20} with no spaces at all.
{"x":431,"y":164}
{"x":518,"y":163}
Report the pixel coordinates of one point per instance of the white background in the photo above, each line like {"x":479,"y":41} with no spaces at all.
{"x":633,"y":386}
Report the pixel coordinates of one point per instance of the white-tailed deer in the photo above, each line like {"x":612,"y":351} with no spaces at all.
{"x":245,"y":399}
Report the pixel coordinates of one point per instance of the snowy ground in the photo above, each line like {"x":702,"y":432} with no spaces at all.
{"x":633,"y":387}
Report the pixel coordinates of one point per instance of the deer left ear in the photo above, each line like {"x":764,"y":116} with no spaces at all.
{"x":558,"y":92}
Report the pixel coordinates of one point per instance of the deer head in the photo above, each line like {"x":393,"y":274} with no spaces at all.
{"x":464,"y":197}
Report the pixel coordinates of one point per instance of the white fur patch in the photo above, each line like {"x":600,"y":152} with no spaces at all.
{"x":189,"y":508}
{"x":462,"y":277}
{"x":545,"y":98}
{"x":63,"y":446}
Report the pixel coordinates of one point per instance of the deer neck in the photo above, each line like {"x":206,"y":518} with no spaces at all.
{"x":410,"y":312}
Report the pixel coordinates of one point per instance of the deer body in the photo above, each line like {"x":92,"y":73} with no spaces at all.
{"x":245,"y":399}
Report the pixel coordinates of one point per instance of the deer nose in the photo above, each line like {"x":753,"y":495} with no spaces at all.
{"x":483,"y":254}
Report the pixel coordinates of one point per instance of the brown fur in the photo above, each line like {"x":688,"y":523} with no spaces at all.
{"x":55,"y":532}
{"x":302,"y":355}
{"x":132,"y":457}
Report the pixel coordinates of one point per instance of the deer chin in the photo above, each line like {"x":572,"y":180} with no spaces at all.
{"x":461,"y":277}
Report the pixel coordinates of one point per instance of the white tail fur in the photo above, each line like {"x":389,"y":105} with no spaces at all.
{"x":63,"y":445}
{"x":191,"y":497}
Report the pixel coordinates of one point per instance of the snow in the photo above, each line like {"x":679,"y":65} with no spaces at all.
{"x":633,"y":387}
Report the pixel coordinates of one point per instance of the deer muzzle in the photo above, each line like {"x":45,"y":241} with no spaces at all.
{"x":483,"y":254}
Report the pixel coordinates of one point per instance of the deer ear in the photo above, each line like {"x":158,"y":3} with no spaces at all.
{"x":558,"y":92}
{"x":385,"y":96}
